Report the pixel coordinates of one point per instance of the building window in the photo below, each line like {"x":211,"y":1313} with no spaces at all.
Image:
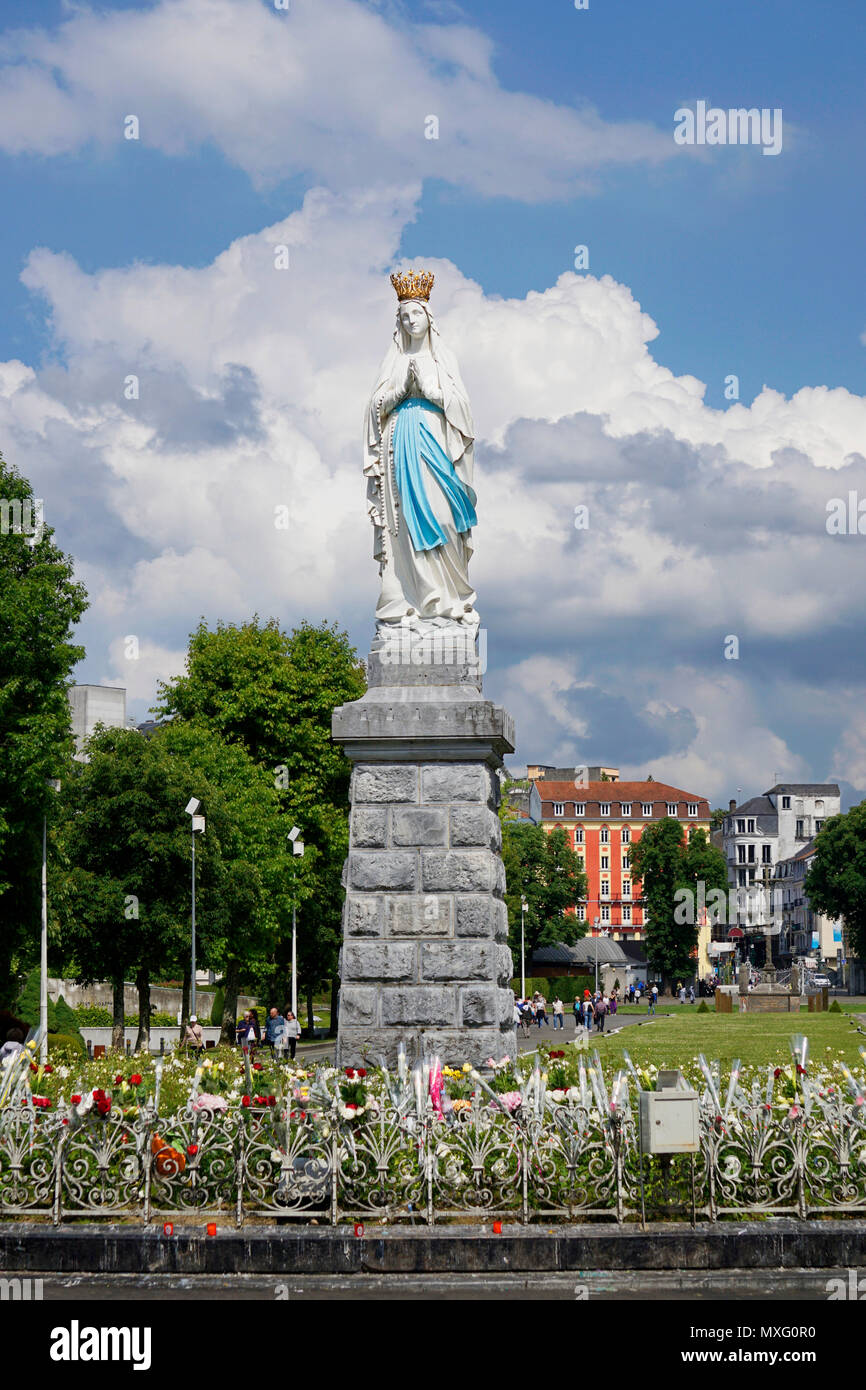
{"x":672,"y":808}
{"x":741,"y":854}
{"x":626,"y":912}
{"x":580,"y":912}
{"x":605,"y":912}
{"x":626,"y":835}
{"x":578,"y":834}
{"x":626,"y":861}
{"x":580,"y":808}
{"x":626,"y":887}
{"x":800,"y":833}
{"x":625,"y":808}
{"x":693,"y":808}
{"x":765,"y":854}
{"x":786,"y":803}
{"x":751,"y":827}
{"x":604,"y":808}
{"x":559,"y":808}
{"x":819,"y":825}
{"x":646,"y":808}
{"x":605,"y":888}
{"x":741,"y":878}
{"x":604,"y":836}
{"x":605,"y":861}
{"x":751,"y":854}
{"x":741,"y":827}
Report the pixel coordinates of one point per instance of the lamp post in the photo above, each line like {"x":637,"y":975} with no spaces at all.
{"x":524,"y":905}
{"x":595,"y":926}
{"x":197,"y":827}
{"x":297,"y":852}
{"x":54,"y":784}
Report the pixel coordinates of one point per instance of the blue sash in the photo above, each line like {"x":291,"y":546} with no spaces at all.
{"x":415,"y":445}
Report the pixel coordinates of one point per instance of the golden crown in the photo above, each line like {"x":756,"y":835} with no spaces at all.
{"x":415,"y":284}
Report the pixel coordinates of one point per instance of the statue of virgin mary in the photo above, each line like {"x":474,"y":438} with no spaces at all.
{"x":418,"y":464}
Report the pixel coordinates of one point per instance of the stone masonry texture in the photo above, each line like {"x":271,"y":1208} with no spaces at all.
{"x":425,"y":960}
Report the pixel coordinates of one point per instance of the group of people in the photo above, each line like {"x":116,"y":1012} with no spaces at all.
{"x":281,"y":1032}
{"x":589,"y":1012}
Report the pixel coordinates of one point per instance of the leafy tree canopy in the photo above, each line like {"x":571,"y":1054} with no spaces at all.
{"x":836,"y":883}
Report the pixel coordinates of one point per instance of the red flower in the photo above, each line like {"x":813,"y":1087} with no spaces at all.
{"x":801,"y":1071}
{"x":75,"y":1100}
{"x":360,"y":1072}
{"x":33,"y":1066}
{"x":350,"y":1071}
{"x":48,"y":1067}
{"x":257,"y":1066}
{"x":245,"y":1100}
{"x":272,"y":1100}
{"x":118,"y":1079}
{"x":64,"y":1122}
{"x":777,"y":1072}
{"x":135,"y":1079}
{"x":192,"y":1150}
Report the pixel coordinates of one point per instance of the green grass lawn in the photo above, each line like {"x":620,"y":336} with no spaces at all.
{"x":757,"y":1039}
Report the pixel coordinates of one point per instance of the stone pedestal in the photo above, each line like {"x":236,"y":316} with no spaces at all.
{"x":425,"y":959}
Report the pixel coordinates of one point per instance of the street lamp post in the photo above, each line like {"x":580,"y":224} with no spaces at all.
{"x":595,"y":924}
{"x":297,"y":852}
{"x":54,"y":784}
{"x":523,"y":910}
{"x":197,"y":827}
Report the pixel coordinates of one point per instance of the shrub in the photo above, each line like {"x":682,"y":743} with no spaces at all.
{"x":66,"y":1047}
{"x":66,"y":1020}
{"x":834,"y":1007}
{"x":216,"y":1013}
{"x":702,"y":1007}
{"x":27,"y":1003}
{"x":92,"y":1016}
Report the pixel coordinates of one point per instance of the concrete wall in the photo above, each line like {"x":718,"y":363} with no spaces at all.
{"x":165,"y":1001}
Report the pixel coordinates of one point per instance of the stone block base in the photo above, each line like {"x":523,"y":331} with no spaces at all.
{"x":425,"y":959}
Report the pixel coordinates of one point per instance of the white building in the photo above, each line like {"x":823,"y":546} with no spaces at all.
{"x":809,"y":932}
{"x":92,"y":705}
{"x":769,"y":829}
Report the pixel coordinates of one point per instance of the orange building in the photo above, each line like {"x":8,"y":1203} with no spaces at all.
{"x":604,"y":820}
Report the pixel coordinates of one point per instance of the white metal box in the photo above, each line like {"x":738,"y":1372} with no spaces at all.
{"x":669,"y":1121}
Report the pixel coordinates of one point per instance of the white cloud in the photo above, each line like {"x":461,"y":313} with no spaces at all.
{"x":253,"y":384}
{"x":283,"y":93}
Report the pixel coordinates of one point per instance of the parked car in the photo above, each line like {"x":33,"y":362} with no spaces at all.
{"x":819,"y":981}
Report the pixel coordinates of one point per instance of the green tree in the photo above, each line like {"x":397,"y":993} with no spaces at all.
{"x":273,"y":693}
{"x":543,"y":869}
{"x":125,"y":844}
{"x":836,"y":883}
{"x":39,"y":606}
{"x":27,"y":1003}
{"x":717,"y":818}
{"x":668,"y":864}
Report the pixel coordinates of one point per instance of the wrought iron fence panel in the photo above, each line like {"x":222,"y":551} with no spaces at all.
{"x":29,"y":1163}
{"x":477,"y":1159}
{"x":286,"y":1165}
{"x":572,"y":1165}
{"x":103,"y":1165}
{"x":192,"y":1164}
{"x":383,"y":1166}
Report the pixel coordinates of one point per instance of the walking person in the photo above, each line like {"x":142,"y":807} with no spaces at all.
{"x":292,"y":1032}
{"x":600,"y":1011}
{"x":650,"y":1004}
{"x":275,"y":1031}
{"x":540,"y":1010}
{"x":655,"y":995}
{"x":558,"y":1020}
{"x":193,"y":1036}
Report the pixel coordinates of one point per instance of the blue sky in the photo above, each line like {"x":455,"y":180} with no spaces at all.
{"x":751,"y":264}
{"x":256,"y":125}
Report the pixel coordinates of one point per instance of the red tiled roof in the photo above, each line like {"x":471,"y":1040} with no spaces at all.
{"x":591,"y":793}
